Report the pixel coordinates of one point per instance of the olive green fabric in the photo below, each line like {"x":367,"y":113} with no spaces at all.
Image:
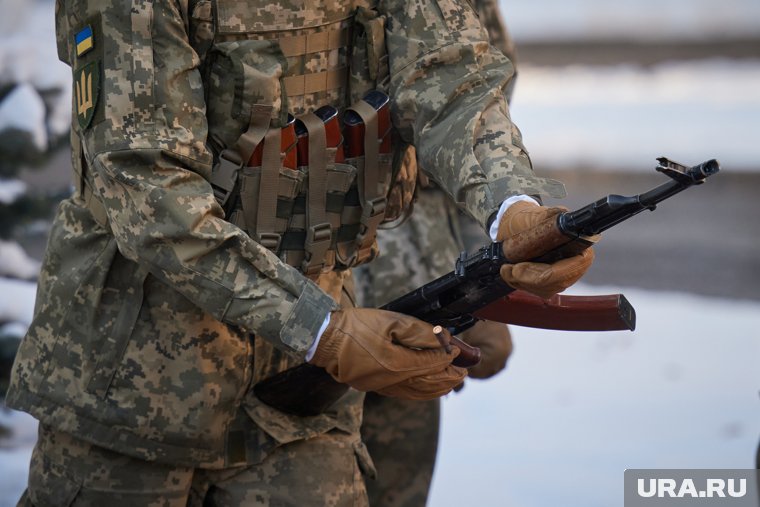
{"x":67,"y":471}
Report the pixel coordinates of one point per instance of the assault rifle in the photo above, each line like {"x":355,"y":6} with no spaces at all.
{"x":474,"y":290}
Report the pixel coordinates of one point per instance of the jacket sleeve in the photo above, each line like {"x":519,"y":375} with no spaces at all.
{"x":145,"y":147}
{"x":448,"y":87}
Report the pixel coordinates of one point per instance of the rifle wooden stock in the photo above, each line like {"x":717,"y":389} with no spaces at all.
{"x":562,"y":312}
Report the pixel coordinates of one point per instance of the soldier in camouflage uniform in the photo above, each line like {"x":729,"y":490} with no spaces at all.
{"x":159,"y":309}
{"x":402,"y":435}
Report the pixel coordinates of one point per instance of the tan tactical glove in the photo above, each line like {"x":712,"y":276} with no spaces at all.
{"x":495,"y":344}
{"x":387,"y":352}
{"x":544,"y":280}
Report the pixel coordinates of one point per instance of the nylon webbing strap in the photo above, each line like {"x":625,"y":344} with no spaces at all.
{"x":371,"y":149}
{"x":85,"y":191}
{"x":97,"y":210}
{"x":314,"y":42}
{"x":315,"y":82}
{"x":125,"y":322}
{"x":258,"y":126}
{"x":318,"y":231}
{"x":225,"y":174}
{"x":373,"y":203}
{"x":266,"y":214}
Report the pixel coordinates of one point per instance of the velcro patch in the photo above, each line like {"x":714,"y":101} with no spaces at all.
{"x":84,"y":40}
{"x":87,"y":91}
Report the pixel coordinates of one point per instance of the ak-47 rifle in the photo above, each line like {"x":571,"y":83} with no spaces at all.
{"x":474,"y":290}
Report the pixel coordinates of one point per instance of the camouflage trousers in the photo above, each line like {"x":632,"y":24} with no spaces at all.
{"x":66,"y":471}
{"x":402,"y":438}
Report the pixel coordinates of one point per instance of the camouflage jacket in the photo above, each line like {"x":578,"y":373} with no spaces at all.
{"x":141,"y":336}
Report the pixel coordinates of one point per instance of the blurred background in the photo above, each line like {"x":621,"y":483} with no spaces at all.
{"x":604,"y":88}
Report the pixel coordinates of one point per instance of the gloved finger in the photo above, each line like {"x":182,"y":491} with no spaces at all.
{"x":418,"y":339}
{"x":571,"y":269}
{"x":426,"y":387}
{"x":545,"y":280}
{"x":527,"y":276}
{"x":402,"y":363}
{"x":523,"y":216}
{"x":404,"y":330}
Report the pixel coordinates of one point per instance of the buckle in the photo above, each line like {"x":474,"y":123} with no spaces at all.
{"x":318,"y":241}
{"x":374,"y":207}
{"x":224,"y":175}
{"x":270,"y":240}
{"x":372,"y":215}
{"x":318,"y":234}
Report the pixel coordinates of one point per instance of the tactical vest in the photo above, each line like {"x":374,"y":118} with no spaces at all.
{"x":263,"y":66}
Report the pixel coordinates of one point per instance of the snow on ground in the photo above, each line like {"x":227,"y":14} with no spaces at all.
{"x":10,"y":190}
{"x":23,"y":109}
{"x":16,"y":300}
{"x":574,"y":410}
{"x":623,"y":117}
{"x":28,"y":58}
{"x":631,"y":19}
{"x":15,"y":263}
{"x":29,"y":52}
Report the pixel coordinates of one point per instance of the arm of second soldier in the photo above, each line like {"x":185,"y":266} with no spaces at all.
{"x":150,"y":168}
{"x":448,"y":87}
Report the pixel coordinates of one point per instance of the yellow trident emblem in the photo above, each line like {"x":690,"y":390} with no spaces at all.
{"x":84,"y":93}
{"x":87,"y":83}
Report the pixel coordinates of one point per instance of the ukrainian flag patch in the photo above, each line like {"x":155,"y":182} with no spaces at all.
{"x":84,"y":40}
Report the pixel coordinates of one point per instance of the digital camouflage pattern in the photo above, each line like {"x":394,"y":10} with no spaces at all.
{"x":401,"y":435}
{"x":141,"y":341}
{"x":68,"y":471}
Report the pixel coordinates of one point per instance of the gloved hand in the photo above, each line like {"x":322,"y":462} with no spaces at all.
{"x":495,"y":344}
{"x":544,"y":280}
{"x":387,"y":352}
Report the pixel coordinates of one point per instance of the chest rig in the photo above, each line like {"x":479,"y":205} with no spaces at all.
{"x":298,"y":124}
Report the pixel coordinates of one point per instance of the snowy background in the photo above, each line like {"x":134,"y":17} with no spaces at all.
{"x":572,"y":410}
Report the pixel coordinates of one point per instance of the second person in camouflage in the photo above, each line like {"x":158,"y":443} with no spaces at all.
{"x":402,"y":435}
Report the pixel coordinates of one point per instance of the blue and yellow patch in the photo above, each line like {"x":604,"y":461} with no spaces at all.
{"x":84,"y":40}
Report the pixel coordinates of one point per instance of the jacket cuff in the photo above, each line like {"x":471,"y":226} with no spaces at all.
{"x":483,"y":201}
{"x":306,"y":318}
{"x":286,"y":322}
